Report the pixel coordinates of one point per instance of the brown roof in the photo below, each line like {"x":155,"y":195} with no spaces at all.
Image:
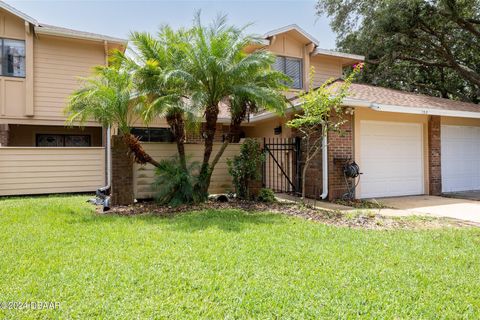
{"x":387,"y":96}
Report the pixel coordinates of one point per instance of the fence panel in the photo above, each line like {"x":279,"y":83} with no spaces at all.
{"x":144,"y":175}
{"x":30,"y":170}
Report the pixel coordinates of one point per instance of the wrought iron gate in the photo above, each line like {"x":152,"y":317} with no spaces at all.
{"x":281,"y":168}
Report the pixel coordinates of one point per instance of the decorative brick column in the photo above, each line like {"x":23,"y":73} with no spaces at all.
{"x":434,"y":155}
{"x":4,"y":135}
{"x":340,"y":149}
{"x":122,"y":173}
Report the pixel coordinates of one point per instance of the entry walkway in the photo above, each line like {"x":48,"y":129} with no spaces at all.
{"x":461,"y":209}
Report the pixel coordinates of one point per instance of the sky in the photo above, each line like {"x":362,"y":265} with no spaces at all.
{"x":119,"y":18}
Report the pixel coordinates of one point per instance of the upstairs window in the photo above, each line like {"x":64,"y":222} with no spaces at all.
{"x":291,"y":67}
{"x":12,"y":58}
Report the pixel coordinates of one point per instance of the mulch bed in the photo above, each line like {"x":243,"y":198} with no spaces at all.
{"x":366,"y":220}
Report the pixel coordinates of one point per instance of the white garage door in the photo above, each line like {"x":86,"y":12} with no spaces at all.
{"x":391,"y":156}
{"x":460,"y":158}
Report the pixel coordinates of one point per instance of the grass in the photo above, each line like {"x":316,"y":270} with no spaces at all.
{"x":228,"y":264}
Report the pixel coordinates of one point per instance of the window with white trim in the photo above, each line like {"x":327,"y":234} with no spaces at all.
{"x":12,"y":58}
{"x":292,"y":67}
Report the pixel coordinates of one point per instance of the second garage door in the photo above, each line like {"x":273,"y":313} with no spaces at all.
{"x":460,"y":158}
{"x":391,"y":158}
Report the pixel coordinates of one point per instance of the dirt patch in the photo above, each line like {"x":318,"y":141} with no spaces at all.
{"x":359,"y":220}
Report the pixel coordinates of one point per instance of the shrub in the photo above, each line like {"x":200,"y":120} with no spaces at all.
{"x":266,"y":195}
{"x":173,"y":185}
{"x":245,"y":167}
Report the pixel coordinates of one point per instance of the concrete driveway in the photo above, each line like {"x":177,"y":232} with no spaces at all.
{"x":462,"y":209}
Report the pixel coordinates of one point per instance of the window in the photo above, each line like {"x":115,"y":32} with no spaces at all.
{"x":12,"y":58}
{"x":153,"y":135}
{"x":63,"y":140}
{"x":292,"y":67}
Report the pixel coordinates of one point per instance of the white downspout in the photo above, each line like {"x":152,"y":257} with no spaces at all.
{"x":324,"y":168}
{"x":109,"y":157}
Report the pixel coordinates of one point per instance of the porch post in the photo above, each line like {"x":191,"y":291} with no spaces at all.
{"x":434,"y":156}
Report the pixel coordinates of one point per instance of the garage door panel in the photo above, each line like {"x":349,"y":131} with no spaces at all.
{"x":460,"y":147}
{"x":391,"y":156}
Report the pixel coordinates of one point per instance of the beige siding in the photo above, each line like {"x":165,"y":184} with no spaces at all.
{"x":325,"y":68}
{"x":50,"y":170}
{"x":58,"y":64}
{"x":11,"y":26}
{"x":144,"y":175}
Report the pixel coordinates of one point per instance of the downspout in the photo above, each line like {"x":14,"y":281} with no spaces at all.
{"x":324,"y":194}
{"x":108,"y":152}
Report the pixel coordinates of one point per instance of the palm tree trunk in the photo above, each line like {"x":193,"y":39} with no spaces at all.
{"x":176,"y":122}
{"x":136,"y":149}
{"x":232,"y":136}
{"x":211,"y":116}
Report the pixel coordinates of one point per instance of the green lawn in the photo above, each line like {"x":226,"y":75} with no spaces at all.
{"x":228,"y":264}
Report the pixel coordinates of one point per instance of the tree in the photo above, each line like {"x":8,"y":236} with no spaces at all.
{"x":216,"y":70}
{"x":154,"y":60}
{"x":109,"y":97}
{"x":429,"y":47}
{"x":321,"y":113}
{"x":183,"y":75}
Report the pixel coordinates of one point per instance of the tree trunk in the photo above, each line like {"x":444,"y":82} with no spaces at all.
{"x":176,"y":122}
{"x":232,"y":136}
{"x":304,"y":177}
{"x":137,"y":151}
{"x":211,"y":116}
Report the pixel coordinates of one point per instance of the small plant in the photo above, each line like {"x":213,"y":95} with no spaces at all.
{"x":266,"y":195}
{"x":173,"y":184}
{"x":245,"y":168}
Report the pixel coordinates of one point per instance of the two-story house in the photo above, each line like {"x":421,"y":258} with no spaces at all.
{"x":40,"y":66}
{"x":405,"y":143}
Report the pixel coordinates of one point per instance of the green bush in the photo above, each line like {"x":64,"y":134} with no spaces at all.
{"x":173,"y":185}
{"x":245,"y":167}
{"x":266,"y":195}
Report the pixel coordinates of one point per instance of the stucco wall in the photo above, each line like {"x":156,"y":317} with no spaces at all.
{"x":265,"y":129}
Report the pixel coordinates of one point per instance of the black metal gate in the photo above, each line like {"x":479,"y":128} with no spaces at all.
{"x":281,"y":169}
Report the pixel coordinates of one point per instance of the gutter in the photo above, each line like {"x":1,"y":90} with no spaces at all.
{"x":424,"y":111}
{"x":109,"y":158}
{"x":61,"y":33}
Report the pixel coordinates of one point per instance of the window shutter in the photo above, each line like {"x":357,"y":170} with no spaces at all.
{"x":293,"y":69}
{"x":279,"y":64}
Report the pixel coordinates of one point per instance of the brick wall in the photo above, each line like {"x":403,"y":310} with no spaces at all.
{"x":434,"y":155}
{"x":340,"y":149}
{"x":122,"y":173}
{"x":4,"y":135}
{"x":313,"y":183}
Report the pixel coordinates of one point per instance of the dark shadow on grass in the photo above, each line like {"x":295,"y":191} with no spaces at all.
{"x":225,"y":220}
{"x":231,"y":220}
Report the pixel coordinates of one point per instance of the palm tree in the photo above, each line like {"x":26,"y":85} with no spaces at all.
{"x":109,"y":97}
{"x":153,"y":60}
{"x":216,"y":69}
